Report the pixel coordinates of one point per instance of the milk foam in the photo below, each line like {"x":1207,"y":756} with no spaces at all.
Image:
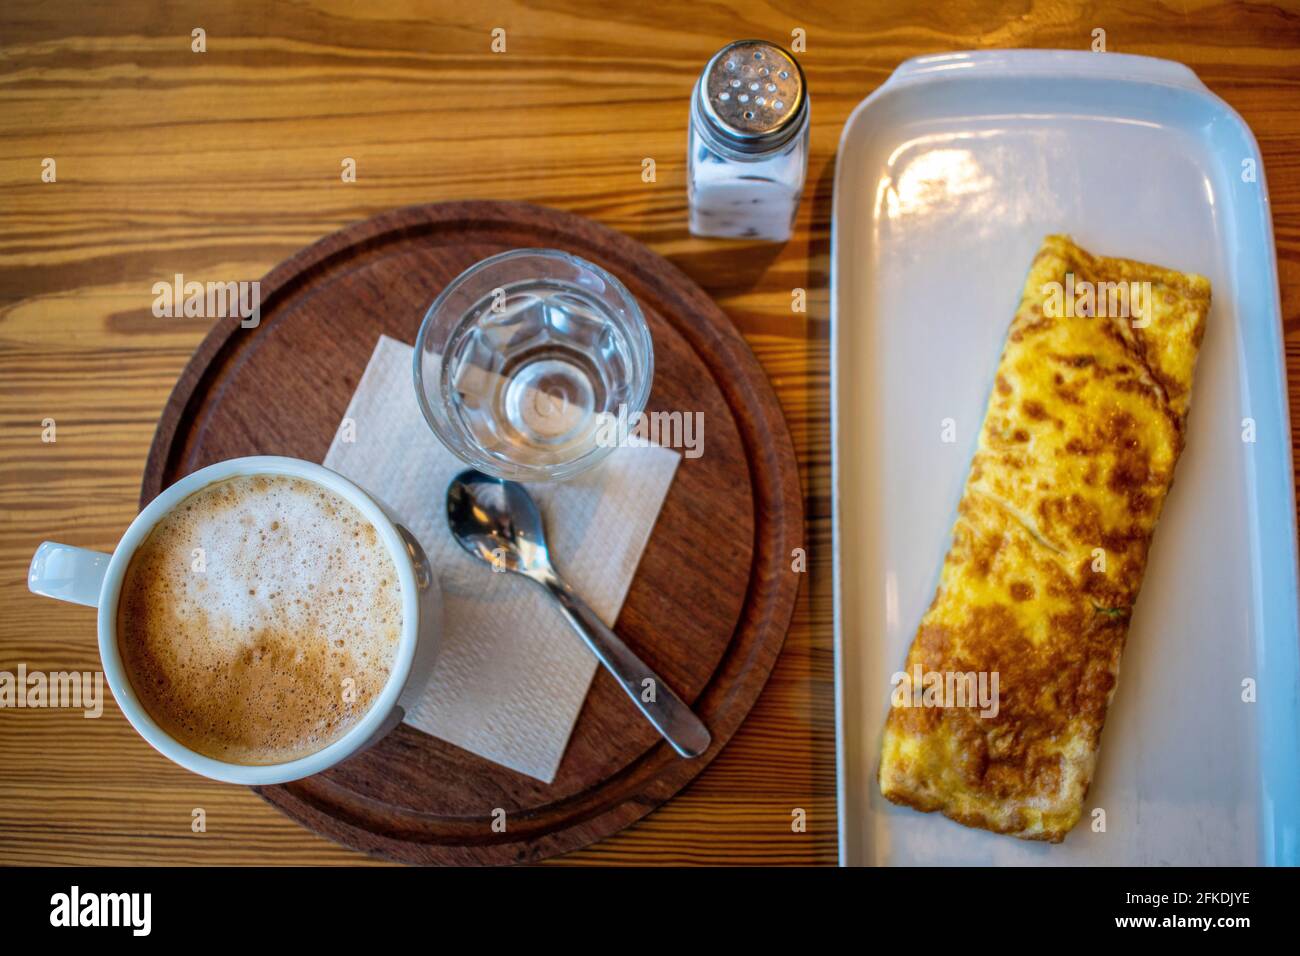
{"x":260,"y":619}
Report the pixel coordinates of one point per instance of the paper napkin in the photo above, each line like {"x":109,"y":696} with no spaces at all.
{"x":511,"y":675}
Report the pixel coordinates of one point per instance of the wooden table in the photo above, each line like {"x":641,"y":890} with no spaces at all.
{"x":220,"y":164}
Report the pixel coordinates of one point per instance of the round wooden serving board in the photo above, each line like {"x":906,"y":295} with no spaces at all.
{"x":713,"y":594}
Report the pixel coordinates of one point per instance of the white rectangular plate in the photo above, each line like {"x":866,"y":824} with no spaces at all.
{"x":948,"y":178}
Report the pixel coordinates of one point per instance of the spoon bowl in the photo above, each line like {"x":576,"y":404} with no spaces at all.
{"x":498,"y":522}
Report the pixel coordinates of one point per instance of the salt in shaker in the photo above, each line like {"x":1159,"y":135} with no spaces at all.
{"x":748,"y":144}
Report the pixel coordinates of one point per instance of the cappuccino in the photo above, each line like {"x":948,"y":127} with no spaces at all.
{"x":260,"y":619}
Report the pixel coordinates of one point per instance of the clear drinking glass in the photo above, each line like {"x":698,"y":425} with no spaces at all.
{"x":522,"y":356}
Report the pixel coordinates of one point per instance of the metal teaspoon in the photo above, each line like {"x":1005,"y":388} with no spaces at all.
{"x":497,"y":521}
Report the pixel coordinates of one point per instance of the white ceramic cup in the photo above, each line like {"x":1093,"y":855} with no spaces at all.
{"x":95,"y":579}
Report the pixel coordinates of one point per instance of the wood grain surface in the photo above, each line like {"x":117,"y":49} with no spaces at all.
{"x":218,"y":165}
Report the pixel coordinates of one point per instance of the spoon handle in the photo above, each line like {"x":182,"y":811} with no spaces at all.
{"x":668,"y":712}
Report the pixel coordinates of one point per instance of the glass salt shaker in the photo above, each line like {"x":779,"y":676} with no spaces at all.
{"x":748,"y":146}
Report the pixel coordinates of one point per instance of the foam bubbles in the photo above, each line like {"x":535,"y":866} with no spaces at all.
{"x":282,"y":641}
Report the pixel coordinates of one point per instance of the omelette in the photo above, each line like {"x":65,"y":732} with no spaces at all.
{"x":1084,"y":425}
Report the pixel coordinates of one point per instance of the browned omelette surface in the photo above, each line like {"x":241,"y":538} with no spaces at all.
{"x":1083,"y":428}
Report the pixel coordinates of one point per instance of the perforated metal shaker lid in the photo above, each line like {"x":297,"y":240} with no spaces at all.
{"x":752,"y":96}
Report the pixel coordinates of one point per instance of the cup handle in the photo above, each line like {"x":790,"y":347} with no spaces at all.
{"x":70,"y":574}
